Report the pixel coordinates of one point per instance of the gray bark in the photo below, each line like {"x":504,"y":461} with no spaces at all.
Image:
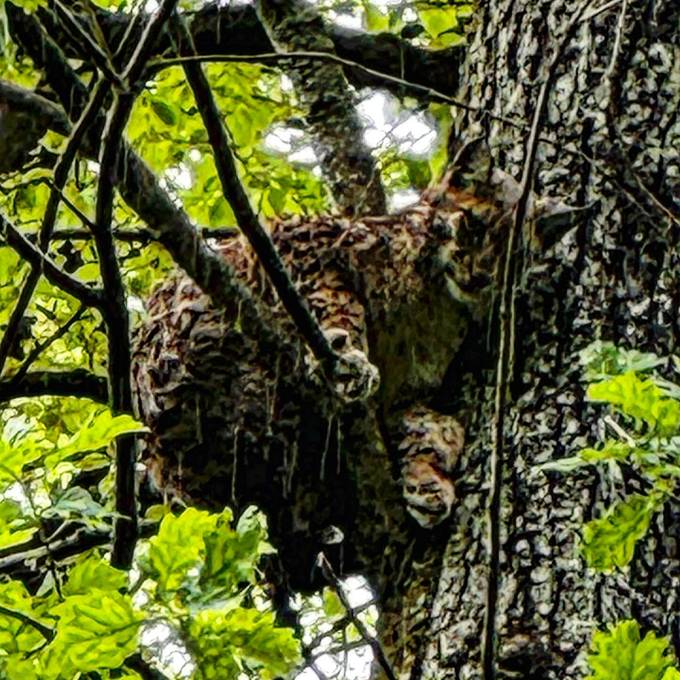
{"x":616,"y":277}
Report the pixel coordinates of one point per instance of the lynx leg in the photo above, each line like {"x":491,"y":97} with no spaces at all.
{"x":342,"y":319}
{"x":430,"y":446}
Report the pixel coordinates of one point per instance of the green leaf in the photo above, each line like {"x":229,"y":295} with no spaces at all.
{"x":224,"y":640}
{"x":18,"y":666}
{"x":31,"y":5}
{"x":179,"y":546}
{"x":93,"y":572}
{"x":611,"y":450}
{"x":96,"y":630}
{"x":620,"y":654}
{"x":641,"y":399}
{"x":332,"y":607}
{"x":609,"y":541}
{"x":14,"y":458}
{"x":604,"y":359}
{"x":78,"y":503}
{"x":164,"y":111}
{"x":563,"y":464}
{"x":376,"y":21}
{"x":15,"y":635}
{"x":671,"y":674}
{"x":99,"y":431}
{"x":231,"y":556}
{"x":15,"y":528}
{"x":442,"y":24}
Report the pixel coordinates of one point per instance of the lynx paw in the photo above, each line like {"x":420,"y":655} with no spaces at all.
{"x":428,"y":493}
{"x":354,"y":378}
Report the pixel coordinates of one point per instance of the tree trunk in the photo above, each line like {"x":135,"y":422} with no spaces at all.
{"x":613,"y":131}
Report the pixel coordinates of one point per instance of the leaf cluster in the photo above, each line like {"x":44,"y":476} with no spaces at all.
{"x":645,"y":418}
{"x":198,"y":575}
{"x":621,"y":653}
{"x":41,"y":455}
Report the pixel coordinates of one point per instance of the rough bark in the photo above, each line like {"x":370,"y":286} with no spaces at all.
{"x":617,"y":277}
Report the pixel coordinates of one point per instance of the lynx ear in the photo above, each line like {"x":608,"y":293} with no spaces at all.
{"x":551,"y":219}
{"x":471,"y":167}
{"x":473,"y":171}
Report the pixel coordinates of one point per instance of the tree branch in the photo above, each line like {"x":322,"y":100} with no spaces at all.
{"x":415,"y":89}
{"x":219,"y":28}
{"x":115,"y":310}
{"x":77,"y":383}
{"x":80,"y":539}
{"x":83,"y":39}
{"x":369,"y":639}
{"x":333,"y":120}
{"x":61,"y":172}
{"x":139,"y":186}
{"x":42,"y":346}
{"x":245,"y":216}
{"x":137,"y":235}
{"x":46,"y":113}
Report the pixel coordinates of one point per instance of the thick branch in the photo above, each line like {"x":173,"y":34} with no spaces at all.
{"x":78,"y":383}
{"x":236,"y":29}
{"x":331,"y":114}
{"x":46,"y":113}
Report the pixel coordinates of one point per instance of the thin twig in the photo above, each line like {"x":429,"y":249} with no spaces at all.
{"x":115,"y":311}
{"x":42,"y":346}
{"x":77,"y":383}
{"x":140,"y":188}
{"x":339,"y":649}
{"x":92,"y":297}
{"x":277,"y":57}
{"x":47,"y":632}
{"x":370,"y":640}
{"x":99,"y":57}
{"x":337,"y":626}
{"x":61,"y":173}
{"x":619,"y":430}
{"x":600,"y":10}
{"x":142,"y":235}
